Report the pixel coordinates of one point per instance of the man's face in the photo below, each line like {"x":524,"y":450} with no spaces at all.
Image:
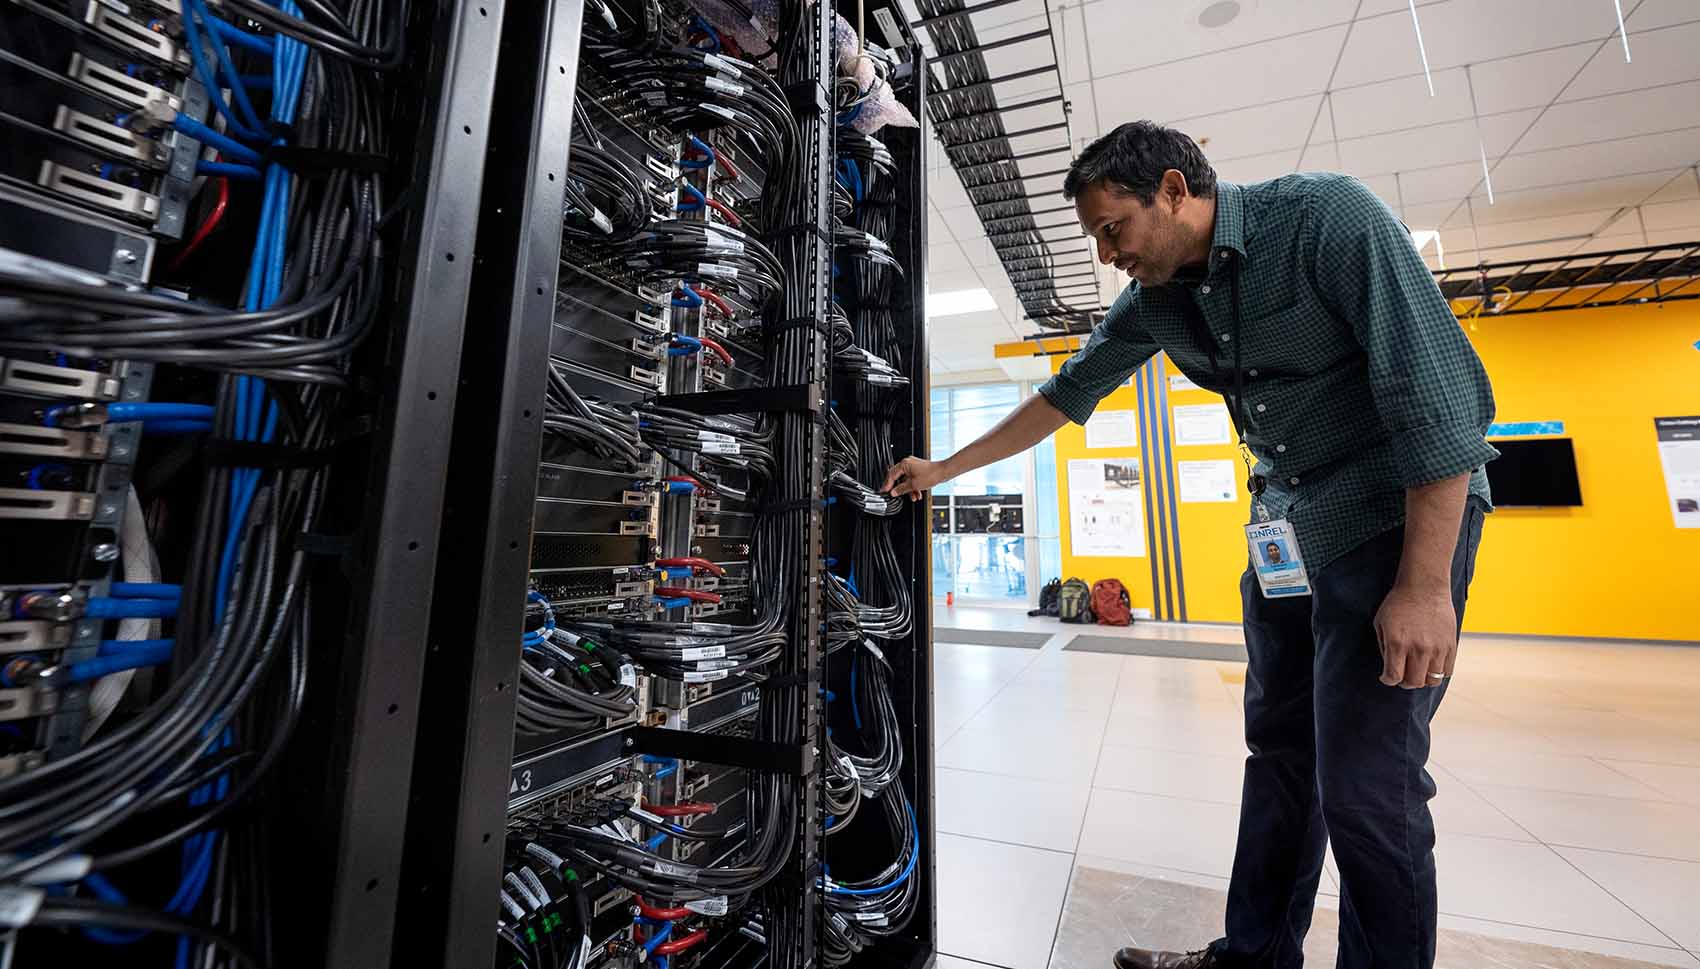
{"x":1147,"y":242}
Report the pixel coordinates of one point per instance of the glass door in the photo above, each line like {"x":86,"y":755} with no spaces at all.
{"x":981,"y":550}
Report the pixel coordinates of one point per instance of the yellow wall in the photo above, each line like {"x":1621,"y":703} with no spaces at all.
{"x":1134,"y":573}
{"x":1614,"y":567}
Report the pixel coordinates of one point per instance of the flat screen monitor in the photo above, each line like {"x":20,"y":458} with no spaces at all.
{"x":1534,"y":474}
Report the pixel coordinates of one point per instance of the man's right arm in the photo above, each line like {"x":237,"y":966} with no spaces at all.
{"x":1117,"y":348}
{"x":1033,"y":421}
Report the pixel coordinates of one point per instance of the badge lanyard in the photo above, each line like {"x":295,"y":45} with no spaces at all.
{"x":1255,"y":483}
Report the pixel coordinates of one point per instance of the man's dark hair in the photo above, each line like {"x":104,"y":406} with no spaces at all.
{"x":1134,"y":157}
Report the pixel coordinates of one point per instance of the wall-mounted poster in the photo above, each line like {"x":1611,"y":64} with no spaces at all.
{"x":1106,"y":507}
{"x":1112,"y":428}
{"x":1679,"y":453}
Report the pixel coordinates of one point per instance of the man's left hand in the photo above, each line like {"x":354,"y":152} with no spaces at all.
{"x":1418,"y":630}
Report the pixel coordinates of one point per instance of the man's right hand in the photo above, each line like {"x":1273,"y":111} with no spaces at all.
{"x":913,"y":477}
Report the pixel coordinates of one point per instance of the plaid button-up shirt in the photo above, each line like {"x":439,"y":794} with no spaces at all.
{"x":1358,"y":380}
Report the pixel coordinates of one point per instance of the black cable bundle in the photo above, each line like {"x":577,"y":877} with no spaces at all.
{"x":182,"y":772}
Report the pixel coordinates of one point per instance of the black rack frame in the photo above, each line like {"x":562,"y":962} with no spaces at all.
{"x":460,"y":766}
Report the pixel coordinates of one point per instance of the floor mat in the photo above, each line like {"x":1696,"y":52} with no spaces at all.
{"x":1173,"y":648}
{"x":1107,"y":910}
{"x":990,"y":637}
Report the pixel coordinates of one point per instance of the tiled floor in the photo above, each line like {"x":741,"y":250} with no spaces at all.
{"x":1569,"y":805}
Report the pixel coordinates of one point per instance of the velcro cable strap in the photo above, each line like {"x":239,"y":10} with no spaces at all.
{"x":785,"y":232}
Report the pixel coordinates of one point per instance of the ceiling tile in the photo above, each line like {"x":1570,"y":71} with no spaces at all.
{"x":1257,"y":168}
{"x":1401,"y":103}
{"x":1659,"y":13}
{"x":953,"y":280}
{"x":1257,"y":74}
{"x":1252,"y":131}
{"x":1561,"y":200}
{"x":1686,"y":185}
{"x":1169,"y":31}
{"x":1662,"y":56}
{"x":1434,"y":145}
{"x":1084,"y":119}
{"x":1617,"y":116}
{"x":1073,"y":56}
{"x":946,"y":258}
{"x":1528,"y":231}
{"x":1444,"y":183}
{"x":1673,"y":215}
{"x":1523,"y":81}
{"x":1460,"y":32}
{"x":1604,"y":159}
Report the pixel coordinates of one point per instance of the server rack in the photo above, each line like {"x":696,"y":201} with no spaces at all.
{"x":527,"y":513}
{"x":381,"y":828}
{"x":105,"y":196}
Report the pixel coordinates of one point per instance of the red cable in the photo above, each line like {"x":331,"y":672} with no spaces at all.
{"x":695,"y":595}
{"x":213,"y":219}
{"x":693,"y":563}
{"x":731,"y":169}
{"x":685,"y":479}
{"x":719,"y":350}
{"x":681,"y":809}
{"x":719,"y":303}
{"x":649,"y":911}
{"x":672,"y":946}
{"x":726,"y":210}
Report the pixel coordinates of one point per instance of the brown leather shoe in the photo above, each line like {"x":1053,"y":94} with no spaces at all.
{"x":1131,"y":958}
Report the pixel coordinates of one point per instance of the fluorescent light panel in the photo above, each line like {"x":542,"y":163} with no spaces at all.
{"x":956,"y":302}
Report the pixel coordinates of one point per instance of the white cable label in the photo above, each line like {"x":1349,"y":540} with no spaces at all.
{"x":722,"y":65}
{"x":716,"y":269}
{"x":716,"y":664}
{"x":67,"y":869}
{"x":709,"y":906}
{"x":704,"y":676}
{"x":716,"y":109}
{"x":872,"y":918}
{"x":721,"y":447}
{"x":18,"y":905}
{"x":676,"y":871}
{"x":874,"y":506}
{"x":703,"y":652}
{"x":868,"y":644}
{"x":628,"y":675}
{"x":714,"y":436}
{"x":727,"y":88}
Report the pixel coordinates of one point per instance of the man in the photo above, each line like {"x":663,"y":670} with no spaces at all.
{"x":1304,"y":303}
{"x":1272,"y":553}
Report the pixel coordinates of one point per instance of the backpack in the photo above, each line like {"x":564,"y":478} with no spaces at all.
{"x":1111,"y":604}
{"x":1074,"y":602}
{"x":1049,"y":599}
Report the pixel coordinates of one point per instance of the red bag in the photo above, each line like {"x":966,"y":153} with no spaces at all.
{"x":1111,"y":604}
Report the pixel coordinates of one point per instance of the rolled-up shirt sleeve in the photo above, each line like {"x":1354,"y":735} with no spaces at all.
{"x":1117,"y":348}
{"x":1430,"y":389}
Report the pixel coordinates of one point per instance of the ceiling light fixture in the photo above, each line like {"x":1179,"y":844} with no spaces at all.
{"x":956,"y":302}
{"x":1621,"y":30}
{"x":1423,"y":238}
{"x":1420,"y":48}
{"x":1218,"y":14}
{"x":1481,"y":145}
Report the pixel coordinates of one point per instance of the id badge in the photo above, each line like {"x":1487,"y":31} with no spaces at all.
{"x":1275,"y":559}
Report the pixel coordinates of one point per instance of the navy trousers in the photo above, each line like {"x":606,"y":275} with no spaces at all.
{"x":1335,"y":755}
